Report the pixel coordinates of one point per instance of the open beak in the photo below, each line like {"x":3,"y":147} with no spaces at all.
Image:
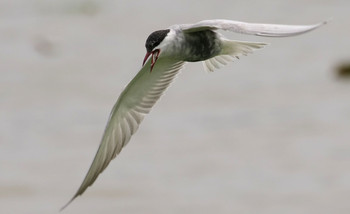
{"x":155,"y":55}
{"x":146,"y":57}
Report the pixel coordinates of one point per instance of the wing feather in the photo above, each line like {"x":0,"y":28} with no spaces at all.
{"x":133,"y":104}
{"x":269,"y":30}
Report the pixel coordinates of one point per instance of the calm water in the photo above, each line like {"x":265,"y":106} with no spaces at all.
{"x":266,"y":134}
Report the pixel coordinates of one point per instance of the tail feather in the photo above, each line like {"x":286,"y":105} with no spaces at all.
{"x":231,"y":50}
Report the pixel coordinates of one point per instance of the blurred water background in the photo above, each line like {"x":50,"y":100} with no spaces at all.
{"x":266,"y":134}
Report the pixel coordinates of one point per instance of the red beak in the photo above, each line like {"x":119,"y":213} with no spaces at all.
{"x":155,"y":55}
{"x":146,"y":57}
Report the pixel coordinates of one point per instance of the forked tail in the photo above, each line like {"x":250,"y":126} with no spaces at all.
{"x":231,"y":50}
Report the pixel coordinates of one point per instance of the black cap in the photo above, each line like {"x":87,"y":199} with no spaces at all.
{"x":155,"y":39}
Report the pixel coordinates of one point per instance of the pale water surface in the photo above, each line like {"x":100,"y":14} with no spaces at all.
{"x":268,"y":134}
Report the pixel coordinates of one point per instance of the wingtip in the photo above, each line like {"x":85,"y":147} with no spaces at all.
{"x":325,"y":22}
{"x":328,"y":20}
{"x":66,"y":205}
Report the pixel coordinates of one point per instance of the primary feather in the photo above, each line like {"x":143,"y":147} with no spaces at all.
{"x":258,"y":29}
{"x":134,"y":103}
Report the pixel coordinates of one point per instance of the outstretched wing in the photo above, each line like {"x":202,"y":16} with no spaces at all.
{"x":133,"y":104}
{"x":269,"y":30}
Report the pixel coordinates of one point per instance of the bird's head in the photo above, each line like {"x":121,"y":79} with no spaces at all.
{"x":152,"y":45}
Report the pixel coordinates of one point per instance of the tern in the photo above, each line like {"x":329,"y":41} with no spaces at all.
{"x":167,"y":52}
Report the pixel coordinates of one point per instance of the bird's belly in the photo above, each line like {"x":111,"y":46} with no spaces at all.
{"x":201,"y":45}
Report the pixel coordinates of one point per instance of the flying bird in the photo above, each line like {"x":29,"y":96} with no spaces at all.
{"x":167,"y":52}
